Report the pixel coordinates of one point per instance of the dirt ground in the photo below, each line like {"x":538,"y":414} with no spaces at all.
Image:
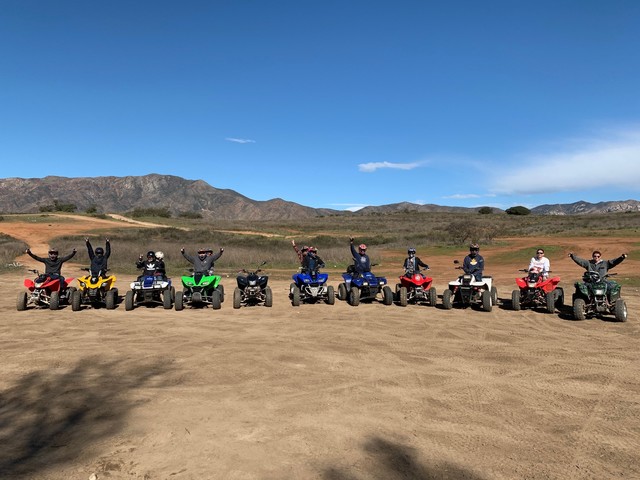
{"x":319,"y":391}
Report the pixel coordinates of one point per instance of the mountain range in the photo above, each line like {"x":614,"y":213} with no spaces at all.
{"x":179,"y":195}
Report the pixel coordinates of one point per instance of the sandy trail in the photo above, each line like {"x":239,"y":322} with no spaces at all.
{"x":318,"y":391}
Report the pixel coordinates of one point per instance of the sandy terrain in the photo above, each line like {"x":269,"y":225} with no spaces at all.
{"x":318,"y":391}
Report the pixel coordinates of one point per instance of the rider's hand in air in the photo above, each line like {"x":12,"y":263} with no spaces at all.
{"x":182,"y":250}
{"x":28,"y":250}
{"x":293,"y":242}
{"x":571,"y":254}
{"x":74,"y":250}
{"x":624,"y":255}
{"x":221,"y":249}
{"x":86,"y":239}
{"x":350,"y":239}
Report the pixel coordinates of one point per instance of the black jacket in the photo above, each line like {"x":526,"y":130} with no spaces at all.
{"x":52,"y":266}
{"x":98,"y":262}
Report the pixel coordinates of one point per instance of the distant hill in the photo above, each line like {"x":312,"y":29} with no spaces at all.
{"x":581,"y":207}
{"x":414,"y":207}
{"x":179,"y":195}
{"x":122,"y":194}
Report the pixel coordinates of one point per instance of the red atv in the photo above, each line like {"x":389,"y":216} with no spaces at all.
{"x":44,"y":291}
{"x":415,"y":288}
{"x":536,"y":291}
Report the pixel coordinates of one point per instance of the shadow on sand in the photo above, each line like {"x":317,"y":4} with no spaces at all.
{"x":49,"y":417}
{"x":393,"y":461}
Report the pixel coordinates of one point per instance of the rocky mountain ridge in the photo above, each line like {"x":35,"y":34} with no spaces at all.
{"x":179,"y":195}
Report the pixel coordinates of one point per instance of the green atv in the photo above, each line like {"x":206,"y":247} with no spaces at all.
{"x":199,"y":290}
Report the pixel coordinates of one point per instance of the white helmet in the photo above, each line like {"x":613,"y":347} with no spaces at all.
{"x":159,"y":255}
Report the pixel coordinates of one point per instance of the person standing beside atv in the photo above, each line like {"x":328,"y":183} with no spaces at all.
{"x":98,"y":257}
{"x":412,"y":263}
{"x":312,"y":262}
{"x":540,"y":263}
{"x":203,"y":262}
{"x":362,"y":263}
{"x":473,"y":263}
{"x":53,"y":264}
{"x":597,"y":264}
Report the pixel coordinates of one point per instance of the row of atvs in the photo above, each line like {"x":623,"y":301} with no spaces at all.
{"x":591,"y":297}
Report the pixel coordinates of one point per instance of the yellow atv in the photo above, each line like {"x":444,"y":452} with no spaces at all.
{"x":95,"y":290}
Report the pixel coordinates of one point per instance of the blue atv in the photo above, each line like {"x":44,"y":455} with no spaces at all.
{"x":310,"y":288}
{"x":365,"y":287}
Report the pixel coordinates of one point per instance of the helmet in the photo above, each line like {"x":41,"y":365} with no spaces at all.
{"x":411,"y":251}
{"x":150,"y":254}
{"x":99,"y":251}
{"x":474,"y":246}
{"x":159,"y":255}
{"x":362,"y":246}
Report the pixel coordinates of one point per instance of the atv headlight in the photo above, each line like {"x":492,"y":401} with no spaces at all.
{"x":382,"y":282}
{"x":252,"y":282}
{"x":82,"y":284}
{"x":364,"y":284}
{"x":599,"y":291}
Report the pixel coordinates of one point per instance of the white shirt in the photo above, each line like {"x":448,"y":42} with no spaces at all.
{"x":541,"y":265}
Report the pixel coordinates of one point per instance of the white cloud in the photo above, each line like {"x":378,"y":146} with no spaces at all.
{"x":464,"y":196}
{"x":373,"y":166}
{"x":595,"y":164}
{"x":352,"y":207}
{"x":239,"y":140}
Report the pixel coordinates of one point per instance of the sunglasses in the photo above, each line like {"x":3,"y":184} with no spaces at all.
{"x":596,"y":256}
{"x":540,"y":253}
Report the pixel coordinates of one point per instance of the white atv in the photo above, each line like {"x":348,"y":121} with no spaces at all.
{"x":466,"y":290}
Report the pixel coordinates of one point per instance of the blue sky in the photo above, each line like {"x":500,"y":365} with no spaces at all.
{"x":330,"y":104}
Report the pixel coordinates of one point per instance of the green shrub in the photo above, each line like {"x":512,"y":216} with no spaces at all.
{"x":485,"y":210}
{"x":519,"y":210}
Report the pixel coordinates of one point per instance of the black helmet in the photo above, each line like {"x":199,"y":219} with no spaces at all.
{"x":474,"y":247}
{"x":151,"y":253}
{"x":99,"y":251}
{"x":411,"y":251}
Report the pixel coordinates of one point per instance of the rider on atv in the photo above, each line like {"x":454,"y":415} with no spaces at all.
{"x":301,"y":252}
{"x":602,"y":267}
{"x":312,"y":262}
{"x":362,"y":264}
{"x":53,"y":264}
{"x":204,"y":261}
{"x":151,"y":266}
{"x":412,"y":263}
{"x":540,"y":264}
{"x":473,"y":263}
{"x":98,"y":257}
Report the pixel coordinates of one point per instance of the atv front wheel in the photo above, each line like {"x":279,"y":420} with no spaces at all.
{"x":216,"y":303}
{"x":109,"y":298}
{"x":21,"y":303}
{"x":331,"y":295}
{"x":402,"y":296}
{"x":179,"y":301}
{"x":54,"y":300}
{"x":447,"y":299}
{"x":237,"y":298}
{"x":494,"y":296}
{"x":268,"y":297}
{"x":515,"y":300}
{"x":620,"y":309}
{"x":387,"y":295}
{"x":433,"y":296}
{"x":166,"y":299}
{"x":342,"y":291}
{"x":76,"y":301}
{"x":354,"y":297}
{"x":295,"y":296}
{"x":128,"y":300}
{"x":550,"y":298}
{"x":579,"y":307}
{"x":486,"y":300}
